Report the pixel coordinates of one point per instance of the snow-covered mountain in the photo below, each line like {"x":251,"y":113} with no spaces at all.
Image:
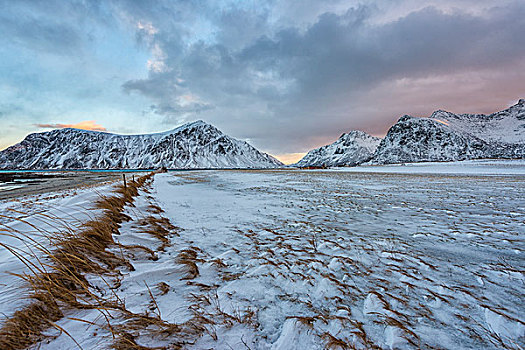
{"x":350,"y":149}
{"x":193,"y":145}
{"x":446,"y":136}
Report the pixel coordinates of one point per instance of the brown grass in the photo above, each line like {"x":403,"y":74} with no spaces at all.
{"x":126,"y":341}
{"x":188,"y":258}
{"x":163,"y":287}
{"x":335,"y":343}
{"x":59,"y":281}
{"x":160,"y":228}
{"x":25,"y":327}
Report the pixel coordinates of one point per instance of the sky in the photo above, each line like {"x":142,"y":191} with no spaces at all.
{"x":286,"y":76}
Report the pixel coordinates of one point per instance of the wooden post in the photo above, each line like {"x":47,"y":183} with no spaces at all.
{"x":124,"y":178}
{"x":133,"y":176}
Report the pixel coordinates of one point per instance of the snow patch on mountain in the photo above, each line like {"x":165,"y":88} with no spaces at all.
{"x":445,"y":136}
{"x":350,"y":149}
{"x":193,"y":145}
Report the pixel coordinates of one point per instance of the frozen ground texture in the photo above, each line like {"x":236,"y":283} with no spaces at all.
{"x":495,"y":167}
{"x":325,"y":259}
{"x":394,"y":261}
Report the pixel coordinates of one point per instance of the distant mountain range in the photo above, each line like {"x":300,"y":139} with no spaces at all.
{"x":443,"y":136}
{"x":194,"y":145}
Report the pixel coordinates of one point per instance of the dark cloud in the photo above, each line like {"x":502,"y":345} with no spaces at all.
{"x":339,"y":53}
{"x":160,"y":87}
{"x":56,"y":38}
{"x":287,"y":75}
{"x":306,"y":80}
{"x":54,"y":26}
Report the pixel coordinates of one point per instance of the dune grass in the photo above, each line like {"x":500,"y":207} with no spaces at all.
{"x":58,"y":281}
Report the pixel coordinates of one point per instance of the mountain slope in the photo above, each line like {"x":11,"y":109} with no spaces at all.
{"x":350,"y":149}
{"x":446,"y":136}
{"x":194,"y":145}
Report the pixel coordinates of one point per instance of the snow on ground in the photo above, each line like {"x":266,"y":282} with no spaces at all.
{"x":293,"y":259}
{"x":25,"y":223}
{"x":468,"y":167}
{"x":397,"y":261}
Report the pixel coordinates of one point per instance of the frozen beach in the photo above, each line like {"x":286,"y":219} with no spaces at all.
{"x":291,"y":259}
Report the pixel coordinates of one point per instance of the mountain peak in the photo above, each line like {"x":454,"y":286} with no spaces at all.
{"x":189,"y":125}
{"x":405,"y":118}
{"x":466,"y":136}
{"x":358,"y":133}
{"x":352,"y":148}
{"x":354,"y":134}
{"x":439,"y":112}
{"x":197,"y":123}
{"x":195,"y":145}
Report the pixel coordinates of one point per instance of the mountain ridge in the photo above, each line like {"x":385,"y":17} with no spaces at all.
{"x":350,"y":149}
{"x":190,"y":146}
{"x":442,"y":136}
{"x":446,"y":136}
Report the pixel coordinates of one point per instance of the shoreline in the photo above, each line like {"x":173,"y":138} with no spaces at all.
{"x":30,"y":183}
{"x":18,"y":183}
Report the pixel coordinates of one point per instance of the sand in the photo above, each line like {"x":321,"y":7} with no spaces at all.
{"x":13,"y":185}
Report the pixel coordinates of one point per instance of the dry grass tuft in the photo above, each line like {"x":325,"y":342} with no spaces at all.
{"x":59,"y":281}
{"x":25,"y":327}
{"x":126,"y":341}
{"x":188,"y":258}
{"x":160,"y":228}
{"x":163,"y":287}
{"x":155,"y":209}
{"x":335,"y":343}
{"x":307,"y":321}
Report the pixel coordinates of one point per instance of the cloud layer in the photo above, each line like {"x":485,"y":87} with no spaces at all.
{"x":85,"y":125}
{"x":287,"y":76}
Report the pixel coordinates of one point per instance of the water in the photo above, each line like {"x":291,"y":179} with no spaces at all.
{"x":14,"y":180}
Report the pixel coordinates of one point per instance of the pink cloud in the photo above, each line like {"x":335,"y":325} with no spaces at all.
{"x":84,"y":125}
